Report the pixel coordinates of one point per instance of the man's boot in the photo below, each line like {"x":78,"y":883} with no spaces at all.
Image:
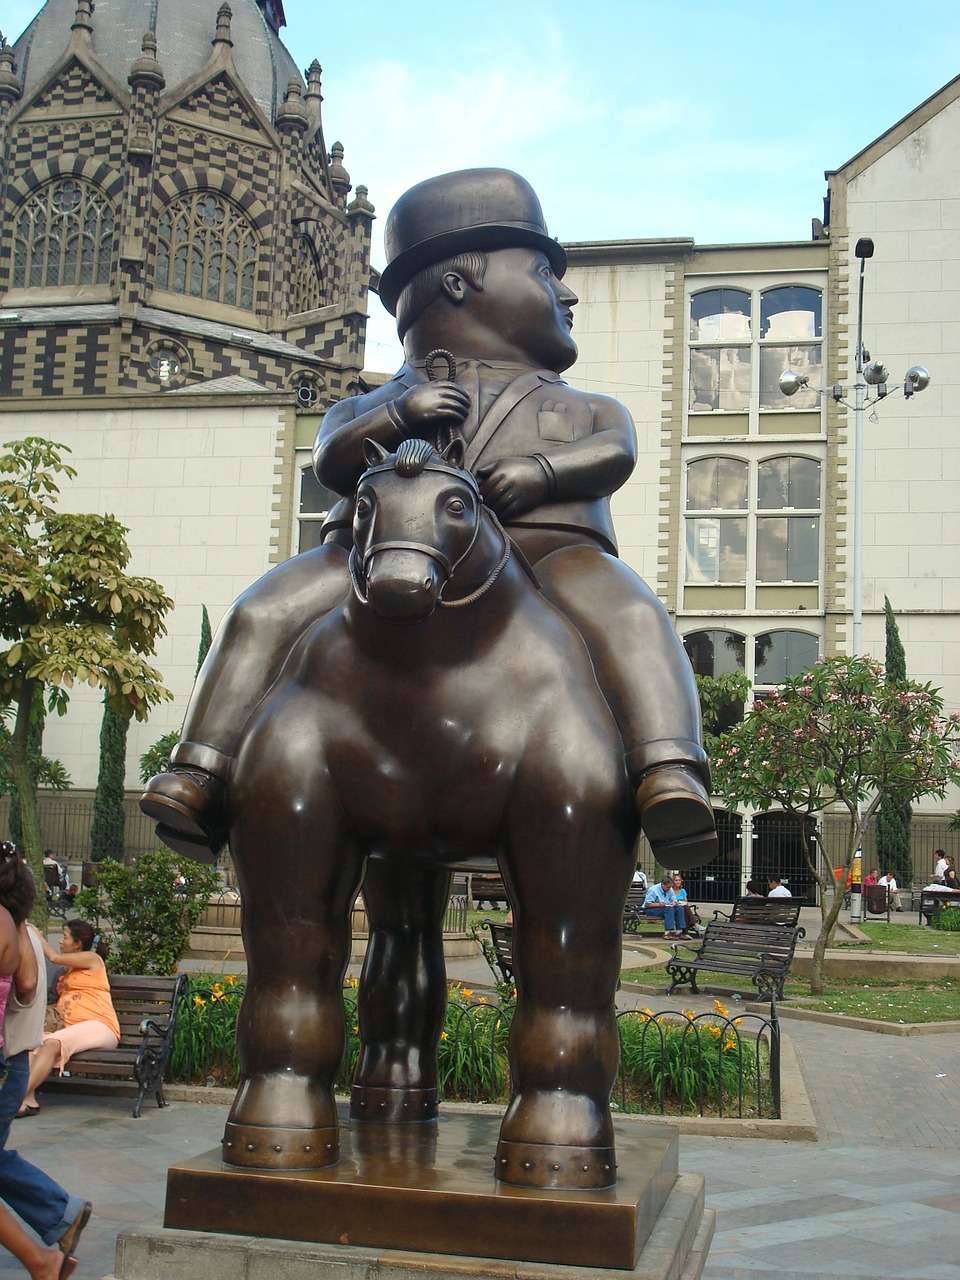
{"x":188,"y":805}
{"x":673,"y":798}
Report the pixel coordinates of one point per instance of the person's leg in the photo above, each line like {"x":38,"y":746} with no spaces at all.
{"x":648,"y":681}
{"x":658,"y":913}
{"x":251,"y":645}
{"x":41,"y":1064}
{"x":36,"y":1198}
{"x":42,"y":1263}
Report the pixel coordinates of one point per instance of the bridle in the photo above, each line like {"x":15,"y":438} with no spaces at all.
{"x":358,"y":567}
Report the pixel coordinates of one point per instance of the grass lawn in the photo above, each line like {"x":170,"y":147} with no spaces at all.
{"x":907,"y":937}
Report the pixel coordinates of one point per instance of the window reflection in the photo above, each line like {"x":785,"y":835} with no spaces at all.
{"x":720,"y":315}
{"x":315,"y":503}
{"x":790,"y":311}
{"x":788,"y":482}
{"x":778,"y":655}
{"x":716,"y":484}
{"x":716,"y":653}
{"x":716,"y":549}
{"x":801,"y":359}
{"x":787,"y":548}
{"x":720,"y":379}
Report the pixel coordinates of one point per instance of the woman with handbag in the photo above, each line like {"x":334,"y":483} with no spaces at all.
{"x":88,"y":1018}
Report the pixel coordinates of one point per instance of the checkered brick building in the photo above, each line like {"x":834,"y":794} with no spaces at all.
{"x":183,"y":287}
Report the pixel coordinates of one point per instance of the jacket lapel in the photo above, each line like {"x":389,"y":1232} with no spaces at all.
{"x":505,"y":403}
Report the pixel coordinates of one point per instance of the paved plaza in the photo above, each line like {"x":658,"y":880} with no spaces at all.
{"x":878,"y":1196}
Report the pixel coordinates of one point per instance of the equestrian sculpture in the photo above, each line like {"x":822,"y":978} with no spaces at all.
{"x":341,"y":731}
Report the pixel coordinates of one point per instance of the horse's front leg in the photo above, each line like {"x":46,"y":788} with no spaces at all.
{"x":568,"y":865}
{"x":402,"y":996}
{"x":299,"y":871}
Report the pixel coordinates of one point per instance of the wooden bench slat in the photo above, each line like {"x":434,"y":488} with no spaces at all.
{"x":762,"y":952}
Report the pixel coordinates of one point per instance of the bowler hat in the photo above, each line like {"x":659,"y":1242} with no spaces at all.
{"x":472,"y":209}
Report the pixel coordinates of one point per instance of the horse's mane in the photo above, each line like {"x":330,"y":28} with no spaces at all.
{"x":413,"y":456}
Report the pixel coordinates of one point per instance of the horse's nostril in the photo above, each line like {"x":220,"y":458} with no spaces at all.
{"x":426,"y":584}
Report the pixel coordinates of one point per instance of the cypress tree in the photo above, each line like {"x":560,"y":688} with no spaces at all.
{"x":206,"y":637}
{"x":109,"y":818}
{"x":34,"y":745}
{"x":895,"y":814}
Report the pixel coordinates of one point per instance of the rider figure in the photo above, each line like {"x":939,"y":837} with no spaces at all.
{"x":472,"y":271}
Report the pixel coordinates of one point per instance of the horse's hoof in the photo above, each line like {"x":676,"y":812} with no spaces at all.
{"x":188,"y":803}
{"x":253,"y":1146}
{"x":393,"y":1106}
{"x":677,"y":817}
{"x":535,"y":1164}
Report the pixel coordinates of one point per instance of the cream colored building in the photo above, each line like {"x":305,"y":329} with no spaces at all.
{"x":741,"y":508}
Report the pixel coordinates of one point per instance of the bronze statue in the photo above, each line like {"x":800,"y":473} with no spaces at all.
{"x":325,"y":731}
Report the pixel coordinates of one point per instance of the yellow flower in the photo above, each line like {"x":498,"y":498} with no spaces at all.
{"x":737,"y":1021}
{"x":198,"y":1001}
{"x":466,"y":993}
{"x":230,"y":979}
{"x":443,"y":1035}
{"x":355,"y":1029}
{"x":715,"y":1032}
{"x":724,"y":1013}
{"x":729,"y":1044}
{"x":688,"y":1013}
{"x":483,"y":999}
{"x":352,"y":982}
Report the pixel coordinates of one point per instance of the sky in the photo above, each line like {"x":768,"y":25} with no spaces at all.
{"x":632,"y":119}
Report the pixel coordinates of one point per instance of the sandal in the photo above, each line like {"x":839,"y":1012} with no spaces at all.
{"x":26,"y":1112}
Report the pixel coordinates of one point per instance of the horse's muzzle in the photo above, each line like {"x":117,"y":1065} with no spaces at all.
{"x":403,"y":586}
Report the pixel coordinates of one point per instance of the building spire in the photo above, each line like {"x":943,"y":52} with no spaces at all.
{"x":222,"y":35}
{"x":83,"y":18}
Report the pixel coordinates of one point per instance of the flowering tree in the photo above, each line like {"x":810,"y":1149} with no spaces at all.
{"x":838,"y":735}
{"x":69,"y":612}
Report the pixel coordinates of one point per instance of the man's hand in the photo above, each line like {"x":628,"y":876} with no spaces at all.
{"x":430,"y":405}
{"x":513,"y":485}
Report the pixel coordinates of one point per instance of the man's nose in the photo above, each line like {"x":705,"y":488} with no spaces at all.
{"x":565,"y":294}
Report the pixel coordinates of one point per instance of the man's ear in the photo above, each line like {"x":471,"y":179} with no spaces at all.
{"x":454,"y":287}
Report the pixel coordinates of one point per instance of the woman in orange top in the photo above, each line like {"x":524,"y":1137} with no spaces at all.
{"x":90,"y":1021}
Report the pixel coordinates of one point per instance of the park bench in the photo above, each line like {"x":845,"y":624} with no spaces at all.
{"x":488,"y":888}
{"x":761,"y":952}
{"x":501,"y":938}
{"x":766,"y":911}
{"x":147,"y":1012}
{"x":634,"y":916}
{"x":932,"y":902}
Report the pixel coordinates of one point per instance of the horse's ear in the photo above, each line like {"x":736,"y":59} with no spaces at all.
{"x":373,"y":452}
{"x":454,"y":452}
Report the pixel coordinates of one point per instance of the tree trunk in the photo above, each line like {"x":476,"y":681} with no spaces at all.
{"x":27,"y":796}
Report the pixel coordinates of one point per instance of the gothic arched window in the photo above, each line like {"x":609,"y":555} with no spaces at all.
{"x":208,"y":249}
{"x":63,"y":235}
{"x":307,"y":292}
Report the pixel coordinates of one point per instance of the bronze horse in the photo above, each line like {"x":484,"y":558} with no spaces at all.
{"x":444,"y":714}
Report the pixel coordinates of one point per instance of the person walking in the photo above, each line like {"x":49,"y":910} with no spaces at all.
{"x":56,"y":1217}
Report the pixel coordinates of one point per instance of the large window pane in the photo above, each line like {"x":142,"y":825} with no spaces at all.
{"x":720,"y":379}
{"x":791,"y":311}
{"x":314,"y":498}
{"x":788,"y":482}
{"x":716,"y":549}
{"x":801,"y":359}
{"x":781,"y":654}
{"x":716,"y":653}
{"x":788,"y":548}
{"x":716,"y":484}
{"x":720,"y":315}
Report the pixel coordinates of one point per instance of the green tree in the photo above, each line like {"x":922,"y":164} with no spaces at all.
{"x":43,"y":771}
{"x":151,"y":905}
{"x":156,"y":759}
{"x":68,"y":611}
{"x":840,"y":735}
{"x":109,"y":817}
{"x":895,"y":814}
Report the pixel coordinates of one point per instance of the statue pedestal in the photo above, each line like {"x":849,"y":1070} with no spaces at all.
{"x":430,"y":1200}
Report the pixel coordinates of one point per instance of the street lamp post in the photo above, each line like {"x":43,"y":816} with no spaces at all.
{"x":868,"y":373}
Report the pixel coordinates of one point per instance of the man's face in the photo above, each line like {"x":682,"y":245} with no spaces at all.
{"x":528,"y":307}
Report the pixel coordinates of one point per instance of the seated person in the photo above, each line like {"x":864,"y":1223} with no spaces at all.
{"x":662,"y":901}
{"x":754,"y":889}
{"x":950,"y":880}
{"x":690,"y":917}
{"x":888,"y":882}
{"x":777,"y":888}
{"x":640,"y":880}
{"x":89,"y":1018}
{"x":870,"y":879}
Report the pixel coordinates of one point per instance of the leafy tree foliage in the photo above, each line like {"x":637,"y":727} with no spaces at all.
{"x":150,"y":912}
{"x":69,"y":612}
{"x":840,"y":735}
{"x":109,"y":816}
{"x":722,"y":700}
{"x":895,"y":815}
{"x":156,"y":759}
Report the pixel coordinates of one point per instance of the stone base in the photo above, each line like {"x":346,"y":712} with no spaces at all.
{"x":676,"y":1249}
{"x":431,"y":1189}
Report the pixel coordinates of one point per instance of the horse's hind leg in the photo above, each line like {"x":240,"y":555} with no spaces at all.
{"x":402,"y":995}
{"x":568,"y":865}
{"x":299,"y":872}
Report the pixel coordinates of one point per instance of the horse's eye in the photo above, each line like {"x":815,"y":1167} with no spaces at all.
{"x":364,"y":507}
{"x":456,"y":506}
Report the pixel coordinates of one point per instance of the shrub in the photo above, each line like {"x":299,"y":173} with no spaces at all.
{"x":947,"y":920}
{"x":149,"y":916}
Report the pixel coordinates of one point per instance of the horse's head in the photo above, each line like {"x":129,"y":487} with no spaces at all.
{"x":418,"y":518}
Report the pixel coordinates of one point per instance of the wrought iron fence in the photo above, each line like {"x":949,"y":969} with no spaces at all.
{"x":671,"y":1063}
